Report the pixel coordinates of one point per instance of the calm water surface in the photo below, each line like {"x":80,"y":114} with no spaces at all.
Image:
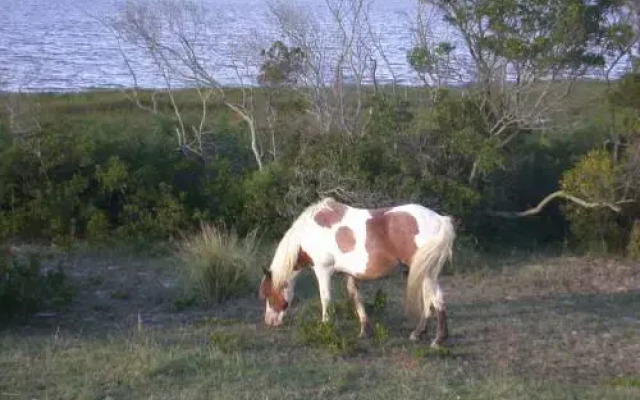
{"x":60,"y":45}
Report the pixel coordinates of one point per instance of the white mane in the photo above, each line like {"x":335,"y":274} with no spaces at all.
{"x":286,"y":256}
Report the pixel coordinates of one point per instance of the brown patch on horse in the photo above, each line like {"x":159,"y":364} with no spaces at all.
{"x":331,"y":214}
{"x":274,"y":297}
{"x":390,"y":238}
{"x":345,"y":239}
{"x":303,"y":260}
{"x":266,"y":286}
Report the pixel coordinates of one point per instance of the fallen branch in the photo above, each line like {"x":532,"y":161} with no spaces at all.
{"x":615,"y":207}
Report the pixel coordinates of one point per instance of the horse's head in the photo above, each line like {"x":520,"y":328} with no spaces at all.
{"x":276,"y":299}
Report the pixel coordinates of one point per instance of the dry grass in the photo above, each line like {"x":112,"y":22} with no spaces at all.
{"x":543,"y":329}
{"x":218,"y":265}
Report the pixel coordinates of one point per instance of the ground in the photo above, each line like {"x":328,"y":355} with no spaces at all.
{"x":538,"y":328}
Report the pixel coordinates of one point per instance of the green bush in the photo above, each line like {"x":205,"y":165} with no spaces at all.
{"x":633,"y":247}
{"x":25,"y":288}
{"x":110,"y":170}
{"x":98,"y":227}
{"x":263,"y":195}
{"x":218,"y":265}
{"x":593,"y":179}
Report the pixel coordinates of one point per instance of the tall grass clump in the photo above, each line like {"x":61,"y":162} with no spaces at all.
{"x":217,"y":264}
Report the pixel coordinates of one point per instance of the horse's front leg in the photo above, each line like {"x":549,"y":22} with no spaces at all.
{"x":352,"y":289}
{"x":323,"y":275}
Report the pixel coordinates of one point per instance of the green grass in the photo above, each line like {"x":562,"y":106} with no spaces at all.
{"x":544,"y":329}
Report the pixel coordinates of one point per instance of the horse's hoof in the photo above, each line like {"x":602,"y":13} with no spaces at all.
{"x":436,"y":344}
{"x":365,"y":332}
{"x":414,"y":337}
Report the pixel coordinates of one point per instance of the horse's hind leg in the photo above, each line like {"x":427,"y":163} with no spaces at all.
{"x":442,"y":332}
{"x":422,"y":326}
{"x":352,"y":289}
{"x":432,"y":303}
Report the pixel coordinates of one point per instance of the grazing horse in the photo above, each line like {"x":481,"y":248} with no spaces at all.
{"x":363,"y":244}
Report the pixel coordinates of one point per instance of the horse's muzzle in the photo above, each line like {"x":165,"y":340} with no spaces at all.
{"x":273,"y":319}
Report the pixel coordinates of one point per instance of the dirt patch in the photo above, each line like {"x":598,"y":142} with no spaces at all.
{"x":566,"y":275}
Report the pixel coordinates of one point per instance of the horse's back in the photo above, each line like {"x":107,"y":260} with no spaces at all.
{"x":368,"y":242}
{"x":427,"y":220}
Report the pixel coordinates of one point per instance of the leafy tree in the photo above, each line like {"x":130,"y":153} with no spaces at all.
{"x":525,"y":55}
{"x":281,"y":65}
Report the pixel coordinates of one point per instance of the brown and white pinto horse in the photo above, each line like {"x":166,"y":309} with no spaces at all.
{"x":363,"y":244}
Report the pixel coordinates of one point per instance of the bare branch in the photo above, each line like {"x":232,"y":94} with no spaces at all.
{"x":173,"y":36}
{"x":615,"y":207}
{"x":248,"y":118}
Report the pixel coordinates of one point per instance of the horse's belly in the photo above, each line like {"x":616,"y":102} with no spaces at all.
{"x":367,"y":266}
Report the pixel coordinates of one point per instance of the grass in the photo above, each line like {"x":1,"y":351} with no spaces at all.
{"x":539,"y":329}
{"x":218,"y":265}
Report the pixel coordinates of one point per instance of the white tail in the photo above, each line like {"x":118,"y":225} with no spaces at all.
{"x":425,"y":267}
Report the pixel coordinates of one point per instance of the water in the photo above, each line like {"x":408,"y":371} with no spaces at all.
{"x":63,"y":45}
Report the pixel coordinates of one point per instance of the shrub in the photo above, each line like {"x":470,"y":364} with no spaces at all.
{"x":217,"y":265}
{"x":593,"y":179}
{"x":633,"y":247}
{"x":263,"y":194}
{"x":98,"y":227}
{"x":25,"y":288}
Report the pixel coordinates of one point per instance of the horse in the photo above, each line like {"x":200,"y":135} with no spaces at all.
{"x":363,"y":245}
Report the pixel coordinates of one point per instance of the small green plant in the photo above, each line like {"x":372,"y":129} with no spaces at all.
{"x":25,"y":288}
{"x":379,"y":302}
{"x":325,"y":335}
{"x":216,"y":265}
{"x":344,"y":309}
{"x":380,"y":334}
{"x":422,"y":353}
{"x":626,"y":382}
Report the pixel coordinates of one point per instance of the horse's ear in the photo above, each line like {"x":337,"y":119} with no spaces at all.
{"x":265,"y":285}
{"x":262,"y":291}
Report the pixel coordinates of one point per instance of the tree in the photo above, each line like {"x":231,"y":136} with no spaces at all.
{"x":526,"y":55}
{"x":603,"y":187}
{"x":340,"y":59}
{"x":173,"y":35}
{"x":281,"y":69}
{"x":281,"y":65}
